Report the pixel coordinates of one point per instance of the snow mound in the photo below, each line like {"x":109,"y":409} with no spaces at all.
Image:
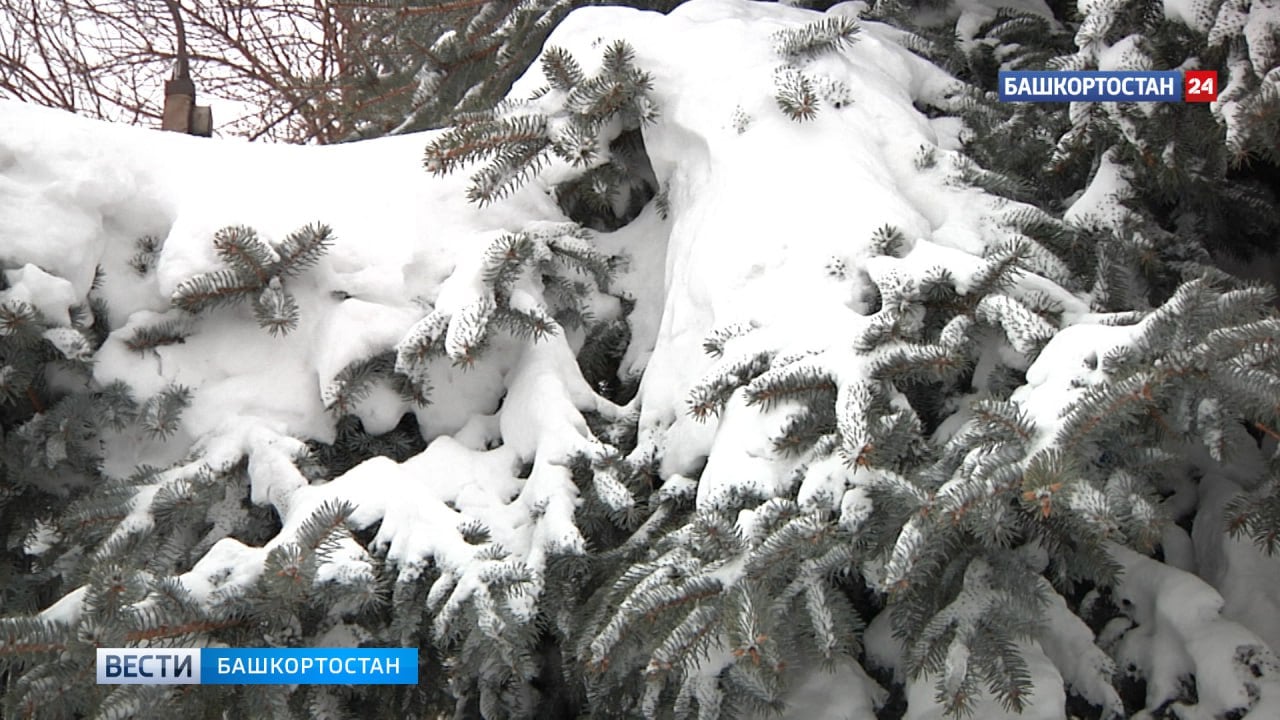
{"x":82,"y":197}
{"x":768,"y":224}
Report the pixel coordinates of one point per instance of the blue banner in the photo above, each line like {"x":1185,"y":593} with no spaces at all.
{"x":257,"y":666}
{"x":1091,"y":86}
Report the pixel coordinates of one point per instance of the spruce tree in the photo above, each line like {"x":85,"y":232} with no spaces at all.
{"x":419,"y":64}
{"x":949,"y":483}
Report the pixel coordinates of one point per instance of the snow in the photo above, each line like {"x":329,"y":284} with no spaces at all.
{"x":355,"y":330}
{"x":883,"y":650}
{"x":1046,"y":701}
{"x":824,"y":482}
{"x":847,"y":693}
{"x":1072,"y":361}
{"x":1124,"y":55}
{"x":50,"y":295}
{"x":1069,"y":643}
{"x":254,"y":395}
{"x":855,"y":508}
{"x":71,"y":343}
{"x":1100,"y":202}
{"x":975,"y":13}
{"x":408,"y":258}
{"x":1189,"y":13}
{"x":1247,"y":579}
{"x":708,"y":281}
{"x":643,"y":243}
{"x":67,"y":609}
{"x":228,"y":566}
{"x":40,"y":539}
{"x":741,"y":457}
{"x":1180,"y":631}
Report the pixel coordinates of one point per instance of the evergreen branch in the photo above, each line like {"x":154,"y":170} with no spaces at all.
{"x":576,"y":252}
{"x":183,"y":502}
{"x":809,"y":386}
{"x":159,"y":415}
{"x":275,"y":309}
{"x":684,"y":643}
{"x":167,"y":332}
{"x":618,"y":60}
{"x":1001,"y":269}
{"x":1003,"y":667}
{"x":465,"y":338}
{"x":355,"y":381}
{"x":423,"y":341}
{"x":599,"y":99}
{"x":816,"y":39}
{"x":709,"y":396}
{"x":469,"y":143}
{"x":16,"y":383}
{"x":531,"y":324}
{"x":911,"y":363}
{"x":416,"y":389}
{"x":31,"y":635}
{"x":513,"y":164}
{"x":1257,"y":514}
{"x":148,"y":251}
{"x":1001,"y":418}
{"x":20,"y":322}
{"x":239,"y":247}
{"x":715,"y":343}
{"x":1266,"y":430}
{"x":996,"y":183}
{"x":561,"y":69}
{"x":577,"y":143}
{"x":505,"y":259}
{"x":804,"y":430}
{"x":795,"y":95}
{"x":887,"y":240}
{"x":317,"y":532}
{"x":195,"y":627}
{"x":302,"y":249}
{"x":115,"y":406}
{"x":212,"y":289}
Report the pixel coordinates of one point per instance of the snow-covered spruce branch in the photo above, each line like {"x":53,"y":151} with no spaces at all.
{"x":255,"y":271}
{"x":709,"y":595}
{"x":564,"y":120}
{"x":515,"y":272}
{"x":1005,"y":481}
{"x":879,"y":433}
{"x":798,"y":95}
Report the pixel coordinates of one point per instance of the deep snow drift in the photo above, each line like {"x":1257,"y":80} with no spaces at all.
{"x":768,"y":224}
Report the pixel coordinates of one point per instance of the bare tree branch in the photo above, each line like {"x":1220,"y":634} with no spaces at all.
{"x":318,"y":71}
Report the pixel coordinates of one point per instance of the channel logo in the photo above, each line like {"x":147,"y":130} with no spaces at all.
{"x":1108,"y":86}
{"x":257,"y":666}
{"x":148,"y":666}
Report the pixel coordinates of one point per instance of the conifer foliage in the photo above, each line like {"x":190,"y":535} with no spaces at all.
{"x":57,"y":502}
{"x":978,"y":468}
{"x":564,"y":119}
{"x":47,"y":436}
{"x":255,"y":271}
{"x":422,"y":62}
{"x":559,"y":259}
{"x":799,"y":95}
